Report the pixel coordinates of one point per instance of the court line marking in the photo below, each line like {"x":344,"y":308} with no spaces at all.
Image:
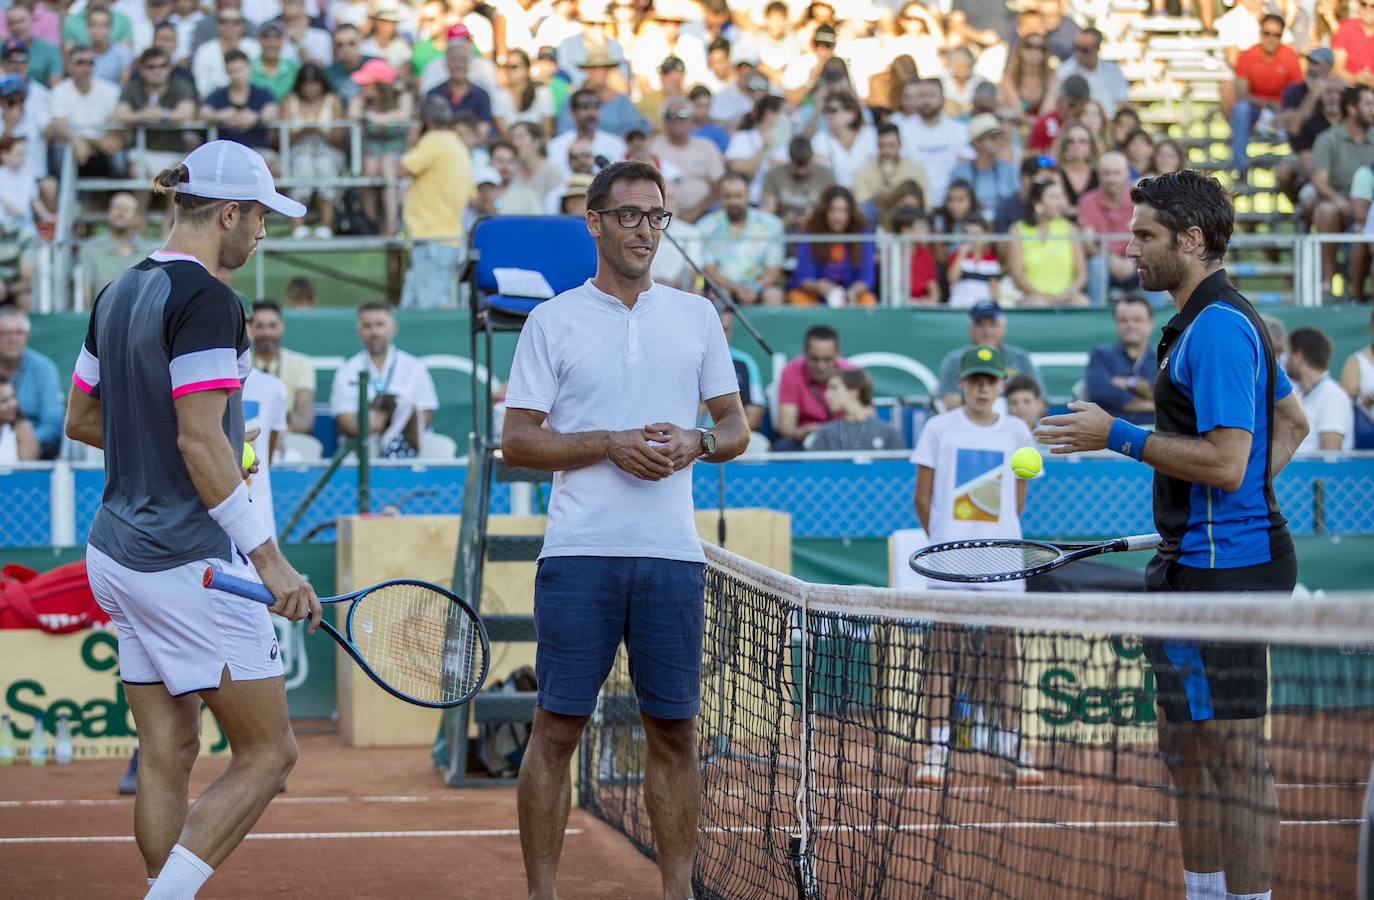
{"x":992,"y":826}
{"x":385,"y":799}
{"x":288,"y":836}
{"x":1042,"y":788}
{"x":279,"y":801}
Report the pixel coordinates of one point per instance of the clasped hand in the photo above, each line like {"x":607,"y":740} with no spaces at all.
{"x":655,"y":451}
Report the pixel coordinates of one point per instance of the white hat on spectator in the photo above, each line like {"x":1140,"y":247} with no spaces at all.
{"x":744,"y":54}
{"x":486,"y":175}
{"x":225,"y":170}
{"x":982,"y":125}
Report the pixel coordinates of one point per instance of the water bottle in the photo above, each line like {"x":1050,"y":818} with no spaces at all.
{"x":38,"y":744}
{"x":6,"y":741}
{"x":62,"y":749}
{"x":963,"y":724}
{"x":981,"y":732}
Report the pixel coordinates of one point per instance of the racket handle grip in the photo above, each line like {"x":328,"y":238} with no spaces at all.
{"x":1143,"y":542}
{"x":217,"y":580}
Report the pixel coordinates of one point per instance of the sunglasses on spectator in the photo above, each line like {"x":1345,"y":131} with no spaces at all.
{"x":1034,"y":46}
{"x":230,"y":20}
{"x":586,"y":104}
{"x":679,"y":114}
{"x":1279,"y":34}
{"x":156,"y":65}
{"x":83,"y":62}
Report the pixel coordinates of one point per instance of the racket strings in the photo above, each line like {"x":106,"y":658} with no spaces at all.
{"x":979,"y":561}
{"x":419,"y":641}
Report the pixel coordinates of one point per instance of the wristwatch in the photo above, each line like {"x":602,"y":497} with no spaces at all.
{"x":708,"y":441}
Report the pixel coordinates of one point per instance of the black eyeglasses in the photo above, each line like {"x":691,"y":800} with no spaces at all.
{"x":583,"y":104}
{"x":630,"y":217}
{"x":1034,"y":46}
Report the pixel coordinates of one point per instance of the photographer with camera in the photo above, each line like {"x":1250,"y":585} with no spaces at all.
{"x":400,"y":390}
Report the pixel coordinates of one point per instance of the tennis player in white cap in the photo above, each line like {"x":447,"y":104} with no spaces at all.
{"x":157,"y":386}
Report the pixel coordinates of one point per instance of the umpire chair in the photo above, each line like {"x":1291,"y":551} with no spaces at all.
{"x":560,"y":249}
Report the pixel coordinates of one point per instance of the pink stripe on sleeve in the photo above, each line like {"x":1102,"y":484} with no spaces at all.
{"x":219,"y":384}
{"x":82,"y":385}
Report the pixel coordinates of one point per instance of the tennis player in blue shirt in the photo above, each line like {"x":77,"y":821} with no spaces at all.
{"x":1227,"y":422}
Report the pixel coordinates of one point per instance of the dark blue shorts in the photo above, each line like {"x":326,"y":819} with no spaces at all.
{"x":584,"y":606}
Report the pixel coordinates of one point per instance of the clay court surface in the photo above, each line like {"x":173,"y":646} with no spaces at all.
{"x":378,"y":823}
{"x":375,"y":823}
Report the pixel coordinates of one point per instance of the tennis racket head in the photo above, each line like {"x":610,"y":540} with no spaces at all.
{"x":985,"y":561}
{"x":419,"y":642}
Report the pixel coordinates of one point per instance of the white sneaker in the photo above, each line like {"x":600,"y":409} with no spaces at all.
{"x":300,"y":232}
{"x":323,"y":232}
{"x":932,"y":771}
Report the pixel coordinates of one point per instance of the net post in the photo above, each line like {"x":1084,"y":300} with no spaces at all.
{"x":364,"y":474}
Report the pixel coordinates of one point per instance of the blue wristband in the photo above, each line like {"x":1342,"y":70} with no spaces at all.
{"x":1127,"y":439}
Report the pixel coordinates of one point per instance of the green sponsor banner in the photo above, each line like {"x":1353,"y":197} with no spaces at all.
{"x":920,"y":335}
{"x":98,"y":705}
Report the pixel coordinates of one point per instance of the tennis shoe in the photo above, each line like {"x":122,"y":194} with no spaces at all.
{"x":932,"y":771}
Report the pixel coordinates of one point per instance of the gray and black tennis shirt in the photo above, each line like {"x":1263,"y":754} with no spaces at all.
{"x":164,"y":328}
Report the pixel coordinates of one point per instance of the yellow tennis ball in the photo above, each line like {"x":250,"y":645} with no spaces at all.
{"x":249,"y":457}
{"x":1026,"y":462}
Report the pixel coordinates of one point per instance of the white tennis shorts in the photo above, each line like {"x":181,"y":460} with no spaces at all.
{"x":176,"y":632}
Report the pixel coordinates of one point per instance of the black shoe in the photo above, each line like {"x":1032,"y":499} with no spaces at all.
{"x":129,"y":783}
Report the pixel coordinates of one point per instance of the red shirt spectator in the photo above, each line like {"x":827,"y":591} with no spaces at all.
{"x":1269,"y":75}
{"x":1045,"y":131}
{"x":797,"y":388}
{"x":1096,"y":212}
{"x":922,"y":271}
{"x":1354,"y":44}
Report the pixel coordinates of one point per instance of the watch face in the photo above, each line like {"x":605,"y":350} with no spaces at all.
{"x":708,"y":443}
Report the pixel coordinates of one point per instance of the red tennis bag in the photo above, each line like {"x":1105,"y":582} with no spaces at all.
{"x":58,"y":602}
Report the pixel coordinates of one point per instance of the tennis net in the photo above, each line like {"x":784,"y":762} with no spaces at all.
{"x":865,"y":742}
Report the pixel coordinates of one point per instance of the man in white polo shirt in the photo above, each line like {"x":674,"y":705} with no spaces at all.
{"x":616,"y":369}
{"x":400,"y":391}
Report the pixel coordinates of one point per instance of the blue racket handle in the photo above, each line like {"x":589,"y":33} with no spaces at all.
{"x":233,"y":584}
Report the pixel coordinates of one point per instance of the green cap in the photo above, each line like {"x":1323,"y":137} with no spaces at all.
{"x":982,"y":361}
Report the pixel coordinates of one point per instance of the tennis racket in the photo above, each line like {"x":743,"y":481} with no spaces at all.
{"x":420,"y":643}
{"x":1011,"y":560}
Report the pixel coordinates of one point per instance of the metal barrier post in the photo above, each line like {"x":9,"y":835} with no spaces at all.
{"x":364,"y":474}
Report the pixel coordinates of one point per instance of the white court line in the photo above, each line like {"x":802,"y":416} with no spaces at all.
{"x":279,"y":801}
{"x":1027,"y":788}
{"x":991,"y":826}
{"x":289,"y":836}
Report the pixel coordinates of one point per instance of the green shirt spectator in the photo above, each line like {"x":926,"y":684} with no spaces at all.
{"x":45,"y":62}
{"x":74,"y":30}
{"x":279,"y":83}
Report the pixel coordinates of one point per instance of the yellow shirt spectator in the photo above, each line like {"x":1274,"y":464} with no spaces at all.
{"x":440,"y":166}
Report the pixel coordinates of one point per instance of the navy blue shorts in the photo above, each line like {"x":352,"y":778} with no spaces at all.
{"x":584,"y":606}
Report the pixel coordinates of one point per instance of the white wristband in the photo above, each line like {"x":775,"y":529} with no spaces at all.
{"x":242,"y":521}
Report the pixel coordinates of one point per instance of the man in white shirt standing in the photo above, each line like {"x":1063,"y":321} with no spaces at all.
{"x":400,"y":391}
{"x":933,"y":139}
{"x":1106,"y":83}
{"x":617,"y":368}
{"x":1328,"y":406}
{"x":83,"y":109}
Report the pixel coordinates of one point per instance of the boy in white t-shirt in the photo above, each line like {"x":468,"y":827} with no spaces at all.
{"x":965,"y":489}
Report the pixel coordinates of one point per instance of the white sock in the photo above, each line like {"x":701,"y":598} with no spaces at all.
{"x":181,"y":877}
{"x":1205,"y":885}
{"x":1262,"y":895}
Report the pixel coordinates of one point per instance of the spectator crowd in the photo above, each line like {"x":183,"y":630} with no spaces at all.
{"x":997,"y":133}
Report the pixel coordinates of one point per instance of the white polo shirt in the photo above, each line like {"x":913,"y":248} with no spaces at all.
{"x":400,"y":374}
{"x":592,"y":364}
{"x":1329,"y":410}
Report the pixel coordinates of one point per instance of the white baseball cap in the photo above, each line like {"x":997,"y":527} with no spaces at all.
{"x":225,"y":170}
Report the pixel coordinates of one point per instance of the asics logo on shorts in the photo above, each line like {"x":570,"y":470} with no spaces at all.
{"x":273,"y":653}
